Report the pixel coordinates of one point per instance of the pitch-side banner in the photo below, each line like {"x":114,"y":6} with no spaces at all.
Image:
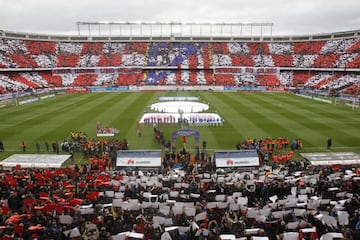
{"x":240,"y":158}
{"x":140,"y":158}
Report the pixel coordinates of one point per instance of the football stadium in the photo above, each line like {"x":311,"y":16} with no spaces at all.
{"x":171,"y":130}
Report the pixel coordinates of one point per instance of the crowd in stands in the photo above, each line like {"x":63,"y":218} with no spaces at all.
{"x":15,"y":82}
{"x":334,"y":53}
{"x":10,"y":85}
{"x":343,"y":81}
{"x":91,"y":202}
{"x":352,"y":90}
{"x":188,"y":198}
{"x":191,"y":63}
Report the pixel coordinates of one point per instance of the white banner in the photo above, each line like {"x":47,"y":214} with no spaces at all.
{"x":237,"y":162}
{"x":242,"y":158}
{"x":138,"y":162}
{"x":105,"y":134}
{"x":130,"y":158}
{"x":247,"y":70}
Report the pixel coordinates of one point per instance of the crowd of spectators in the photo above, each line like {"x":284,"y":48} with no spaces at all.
{"x":10,"y":85}
{"x":27,"y":53}
{"x":183,"y":200}
{"x":192,"y":60}
{"x":15,"y":82}
{"x":85,"y":202}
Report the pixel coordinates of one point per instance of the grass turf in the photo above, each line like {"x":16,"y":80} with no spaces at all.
{"x":253,"y":115}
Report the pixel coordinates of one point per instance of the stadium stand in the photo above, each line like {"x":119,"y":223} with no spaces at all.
{"x":318,"y":64}
{"x":352,"y":90}
{"x":89,"y":202}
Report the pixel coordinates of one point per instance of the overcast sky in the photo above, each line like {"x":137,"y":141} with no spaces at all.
{"x":290,"y":17}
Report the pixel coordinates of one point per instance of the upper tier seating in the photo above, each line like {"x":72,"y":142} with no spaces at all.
{"x":335,"y":53}
{"x":181,"y":63}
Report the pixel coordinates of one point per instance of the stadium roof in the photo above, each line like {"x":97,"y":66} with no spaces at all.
{"x":136,"y":34}
{"x":189,"y":29}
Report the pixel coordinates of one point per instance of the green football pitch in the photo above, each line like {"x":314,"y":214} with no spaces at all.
{"x":253,"y":115}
